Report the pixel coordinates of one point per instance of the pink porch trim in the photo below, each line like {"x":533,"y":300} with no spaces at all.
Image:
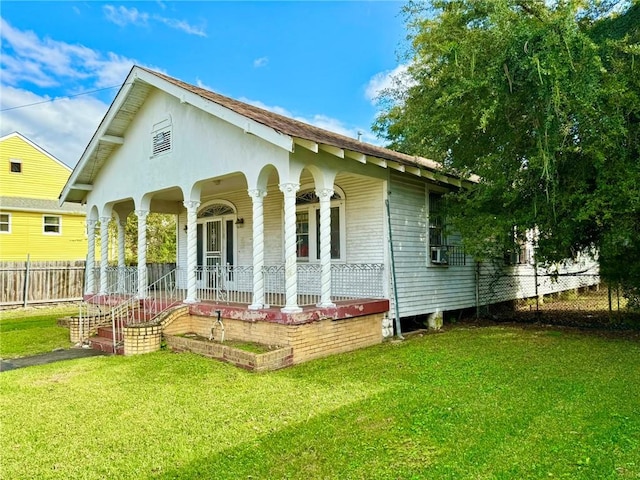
{"x":342,"y":310}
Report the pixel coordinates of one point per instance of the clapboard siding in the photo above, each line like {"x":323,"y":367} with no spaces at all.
{"x":517,"y":282}
{"x":422,"y":288}
{"x":364,"y":210}
{"x":42,"y":175}
{"x":27,"y":196}
{"x":27,"y":238}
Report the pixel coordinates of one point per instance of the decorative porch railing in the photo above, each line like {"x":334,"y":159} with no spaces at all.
{"x":225,"y":283}
{"x":123,"y":304}
{"x":348,"y":282}
{"x":100,"y":305}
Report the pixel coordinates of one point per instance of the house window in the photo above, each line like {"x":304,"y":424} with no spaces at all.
{"x":442,"y":250}
{"x":519,"y":252}
{"x":308,"y":226}
{"x":51,"y":225}
{"x":436,"y":220}
{"x":161,"y":137}
{"x":15,"y":166}
{"x":5,"y":223}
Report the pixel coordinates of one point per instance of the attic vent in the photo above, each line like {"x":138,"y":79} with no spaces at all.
{"x":161,"y":137}
{"x":162,"y":142}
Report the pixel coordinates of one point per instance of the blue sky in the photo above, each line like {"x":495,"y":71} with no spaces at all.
{"x":320,"y":62}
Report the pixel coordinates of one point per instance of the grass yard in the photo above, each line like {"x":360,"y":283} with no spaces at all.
{"x":498,"y":402}
{"x":33,"y":330}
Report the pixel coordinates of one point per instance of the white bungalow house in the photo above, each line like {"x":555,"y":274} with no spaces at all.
{"x":280,"y":223}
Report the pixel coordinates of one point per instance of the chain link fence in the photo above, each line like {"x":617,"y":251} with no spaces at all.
{"x":576,"y":298}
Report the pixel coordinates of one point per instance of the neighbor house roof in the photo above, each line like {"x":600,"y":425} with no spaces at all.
{"x":283,"y":131}
{"x":39,"y":205}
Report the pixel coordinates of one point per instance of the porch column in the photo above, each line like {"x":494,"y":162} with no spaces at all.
{"x":325,"y":195}
{"x":192,"y":250}
{"x":290,"y":256}
{"x":91,"y":257}
{"x":104,"y":254}
{"x":142,"y":252}
{"x":122,"y":225}
{"x":257,"y":197}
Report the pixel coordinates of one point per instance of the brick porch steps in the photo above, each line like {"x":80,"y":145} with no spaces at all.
{"x":105,"y":344}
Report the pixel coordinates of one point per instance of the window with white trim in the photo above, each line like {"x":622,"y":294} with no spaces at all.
{"x":161,"y":138}
{"x":51,"y":225}
{"x":15,"y":166}
{"x":518,"y":252}
{"x":443,"y":249}
{"x":308,"y":226}
{"x":5,"y":223}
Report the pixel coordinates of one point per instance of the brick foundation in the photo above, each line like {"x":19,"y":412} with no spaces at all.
{"x":143,"y":338}
{"x":313,"y":339}
{"x":90,"y":326}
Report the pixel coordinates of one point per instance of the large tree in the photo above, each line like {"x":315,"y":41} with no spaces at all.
{"x":542,"y":101}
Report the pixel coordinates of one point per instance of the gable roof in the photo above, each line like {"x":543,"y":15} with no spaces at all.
{"x":36,"y":147}
{"x":43,"y":205}
{"x":282,"y":131}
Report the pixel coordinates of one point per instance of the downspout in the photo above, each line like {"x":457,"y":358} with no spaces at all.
{"x":393,"y":275}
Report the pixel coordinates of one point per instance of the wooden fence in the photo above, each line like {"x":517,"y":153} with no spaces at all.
{"x":22,"y":283}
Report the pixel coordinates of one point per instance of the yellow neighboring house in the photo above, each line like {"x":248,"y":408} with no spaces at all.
{"x":31,"y":220}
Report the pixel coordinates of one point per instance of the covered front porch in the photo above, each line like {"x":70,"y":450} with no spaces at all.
{"x":282,"y":246}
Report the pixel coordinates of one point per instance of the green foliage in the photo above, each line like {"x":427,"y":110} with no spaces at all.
{"x":161,"y":238}
{"x":468,"y":403}
{"x":542,"y":101}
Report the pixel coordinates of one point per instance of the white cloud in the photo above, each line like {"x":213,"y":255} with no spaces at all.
{"x":50,"y":63}
{"x":320,"y":121}
{"x":181,"y":25}
{"x":261,"y":62}
{"x":123,"y":16}
{"x":389,"y":79}
{"x":201,"y":84}
{"x":62,"y":127}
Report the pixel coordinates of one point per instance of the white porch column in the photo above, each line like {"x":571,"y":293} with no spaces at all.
{"x":122,"y":225}
{"x":104,"y":254}
{"x":91,"y":257}
{"x":290,"y":256}
{"x":142,"y":252}
{"x":257,"y":197}
{"x":325,"y":195}
{"x":192,"y":250}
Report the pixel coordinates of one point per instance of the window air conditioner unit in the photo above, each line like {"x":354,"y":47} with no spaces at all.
{"x":439,"y":255}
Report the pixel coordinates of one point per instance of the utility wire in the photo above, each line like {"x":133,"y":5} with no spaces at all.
{"x":51,"y":100}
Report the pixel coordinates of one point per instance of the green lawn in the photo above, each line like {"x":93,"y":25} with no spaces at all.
{"x":470,"y":403}
{"x":29,"y":331}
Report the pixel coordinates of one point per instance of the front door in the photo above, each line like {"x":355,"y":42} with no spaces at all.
{"x":215,"y":251}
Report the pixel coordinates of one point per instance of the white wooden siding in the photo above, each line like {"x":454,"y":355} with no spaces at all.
{"x":519,"y":281}
{"x":364,"y":213}
{"x":364,"y":210}
{"x":422,"y":288}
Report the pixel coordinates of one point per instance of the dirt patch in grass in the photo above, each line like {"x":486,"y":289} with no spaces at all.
{"x":240,"y":345}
